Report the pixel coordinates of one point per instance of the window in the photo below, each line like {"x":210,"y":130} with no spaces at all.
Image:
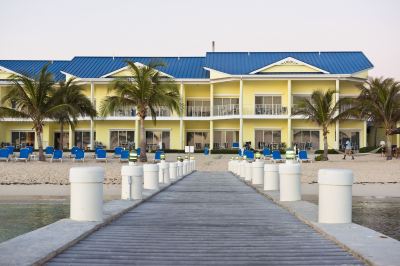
{"x":267,"y":138}
{"x":306,"y":139}
{"x":57,"y":140}
{"x":82,"y":139}
{"x":122,"y":138}
{"x":154,"y":138}
{"x":224,"y":139}
{"x":22,"y":138}
{"x":198,"y":108}
{"x":353,"y":136}
{"x":226,"y":106}
{"x":269,"y":105}
{"x":199,"y":140}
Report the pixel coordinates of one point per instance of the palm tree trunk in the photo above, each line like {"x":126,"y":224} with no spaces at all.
{"x":143,"y":156}
{"x":388,"y":146}
{"x":61,"y":136}
{"x":325,"y":134}
{"x":39,"y":134}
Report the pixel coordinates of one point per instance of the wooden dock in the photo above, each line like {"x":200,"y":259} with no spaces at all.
{"x":208,"y":218}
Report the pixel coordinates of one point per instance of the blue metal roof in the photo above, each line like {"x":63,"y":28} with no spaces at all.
{"x":178,"y":67}
{"x":242,"y":63}
{"x":235,"y":63}
{"x":31,"y":68}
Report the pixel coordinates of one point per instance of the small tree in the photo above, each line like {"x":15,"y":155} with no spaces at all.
{"x":147,"y":90}
{"x":322,"y":109}
{"x":379,"y":101}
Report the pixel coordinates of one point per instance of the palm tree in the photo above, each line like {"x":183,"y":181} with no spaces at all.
{"x":322,"y":109}
{"x":35,"y":99}
{"x":77,"y":105}
{"x":379,"y":101}
{"x":147,"y":90}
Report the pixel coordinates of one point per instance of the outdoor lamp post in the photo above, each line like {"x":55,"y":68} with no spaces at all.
{"x":133,"y":157}
{"x":258,"y":156}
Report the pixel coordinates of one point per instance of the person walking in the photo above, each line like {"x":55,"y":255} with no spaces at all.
{"x":348,"y":151}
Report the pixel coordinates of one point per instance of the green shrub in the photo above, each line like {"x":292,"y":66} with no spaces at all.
{"x":318,"y":158}
{"x":224,"y":151}
{"x":330,"y":151}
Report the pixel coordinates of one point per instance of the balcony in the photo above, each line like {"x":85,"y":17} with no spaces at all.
{"x":198,"y":111}
{"x":265,"y":109}
{"x":131,"y":111}
{"x":226,"y":110}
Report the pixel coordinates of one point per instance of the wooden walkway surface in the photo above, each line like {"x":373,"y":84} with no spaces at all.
{"x":208,"y":218}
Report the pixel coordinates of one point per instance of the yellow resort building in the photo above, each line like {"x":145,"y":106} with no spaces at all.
{"x":229,"y":98}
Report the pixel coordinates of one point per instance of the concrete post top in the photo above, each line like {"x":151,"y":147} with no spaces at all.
{"x":150,"y":167}
{"x":179,"y":163}
{"x":258,"y":163}
{"x":132,"y":170}
{"x":289,"y":168}
{"x":165,"y":165}
{"x":86,"y":175}
{"x":338,"y":177}
{"x":248,"y":165}
{"x":173,"y":165}
{"x":269,"y":167}
{"x":244,"y":162}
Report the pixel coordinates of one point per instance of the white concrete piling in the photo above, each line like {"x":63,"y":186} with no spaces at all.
{"x":180,"y":169}
{"x":151,"y":176}
{"x":86,"y":193}
{"x":248,"y":172}
{"x":335,"y":195}
{"x":242,"y":169}
{"x":185,"y":167}
{"x":289,"y":181}
{"x":271,"y":177}
{"x":173,"y":170}
{"x":258,"y":172}
{"x":165,"y":167}
{"x":132,"y":182}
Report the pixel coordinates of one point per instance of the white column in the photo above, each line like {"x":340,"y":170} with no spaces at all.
{"x":289,"y":133}
{"x":337,"y":128}
{"x":70,"y":137}
{"x":364,"y":143}
{"x":181,"y":133}
{"x":91,"y":120}
{"x":241,"y":113}
{"x":211,"y":134}
{"x":289,"y":101}
{"x":137,"y":133}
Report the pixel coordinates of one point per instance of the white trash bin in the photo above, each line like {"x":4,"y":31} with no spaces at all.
{"x":271,"y":177}
{"x":248,"y":172}
{"x":132,"y":182}
{"x":335,"y":195}
{"x":289,"y":181}
{"x":258,"y":172}
{"x":173,"y":170}
{"x":151,"y":175}
{"x":86,"y":193}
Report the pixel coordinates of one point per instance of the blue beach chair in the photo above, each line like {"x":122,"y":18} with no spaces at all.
{"x":276,"y":157}
{"x":4,"y":155}
{"x":57,"y":156}
{"x":267,"y":153}
{"x":101,"y":155}
{"x":124,"y":156}
{"x":48,"y":152}
{"x":206,"y":151}
{"x":73,"y":152}
{"x":157,"y":155}
{"x":79,"y":155}
{"x":235,"y":145}
{"x":249,"y":154}
{"x":303,"y":157}
{"x":10,"y":150}
{"x":117,"y":152}
{"x":23,"y":155}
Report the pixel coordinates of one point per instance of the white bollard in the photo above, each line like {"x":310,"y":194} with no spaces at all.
{"x":335,"y":195}
{"x":258,"y":172}
{"x":132,"y":182}
{"x":173,"y":171}
{"x":242,"y":169}
{"x":86,"y":193}
{"x":150,"y":176}
{"x":289,"y":181}
{"x":194,"y":164}
{"x":248,"y":172}
{"x":230,"y":165}
{"x":271,"y":177}
{"x":185,"y":167}
{"x":180,"y":169}
{"x":165,"y":167}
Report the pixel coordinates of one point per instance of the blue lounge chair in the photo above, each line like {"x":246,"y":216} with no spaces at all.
{"x":124,"y":156}
{"x":206,"y":151}
{"x":303,"y":157}
{"x":48,"y":152}
{"x":73,"y":152}
{"x":79,"y":155}
{"x":267,"y":153}
{"x":276,"y":157}
{"x":138,"y":152}
{"x":57,"y":156}
{"x":117,"y":152}
{"x":249,"y":154}
{"x":23,"y":155}
{"x":157,"y":155}
{"x":240,"y":152}
{"x":10,"y":150}
{"x":235,"y":145}
{"x":101,"y":155}
{"x":4,"y":155}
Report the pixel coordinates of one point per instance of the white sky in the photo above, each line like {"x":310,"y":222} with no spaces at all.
{"x":61,"y":29}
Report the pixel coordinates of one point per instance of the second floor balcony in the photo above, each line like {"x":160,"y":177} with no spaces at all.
{"x":265,"y":109}
{"x":198,"y":111}
{"x":131,"y":112}
{"x":226,"y":110}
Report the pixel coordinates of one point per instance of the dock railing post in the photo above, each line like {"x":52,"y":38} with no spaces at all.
{"x":248,"y":171}
{"x":86,"y":193}
{"x":132,"y":182}
{"x":258,"y":172}
{"x":271,"y":177}
{"x":335,"y":195}
{"x":151,"y":175}
{"x":289,"y":181}
{"x":173,"y":170}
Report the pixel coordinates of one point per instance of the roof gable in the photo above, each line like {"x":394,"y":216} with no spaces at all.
{"x":289,"y":65}
{"x":31,"y":68}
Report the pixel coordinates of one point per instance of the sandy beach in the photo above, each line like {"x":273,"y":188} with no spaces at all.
{"x":35,"y":179}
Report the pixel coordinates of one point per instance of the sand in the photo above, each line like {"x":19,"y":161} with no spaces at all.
{"x":53,"y":177}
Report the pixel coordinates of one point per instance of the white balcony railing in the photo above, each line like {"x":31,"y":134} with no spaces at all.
{"x":224,"y":110}
{"x":131,"y":111}
{"x":265,"y":109}
{"x":198,"y":111}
